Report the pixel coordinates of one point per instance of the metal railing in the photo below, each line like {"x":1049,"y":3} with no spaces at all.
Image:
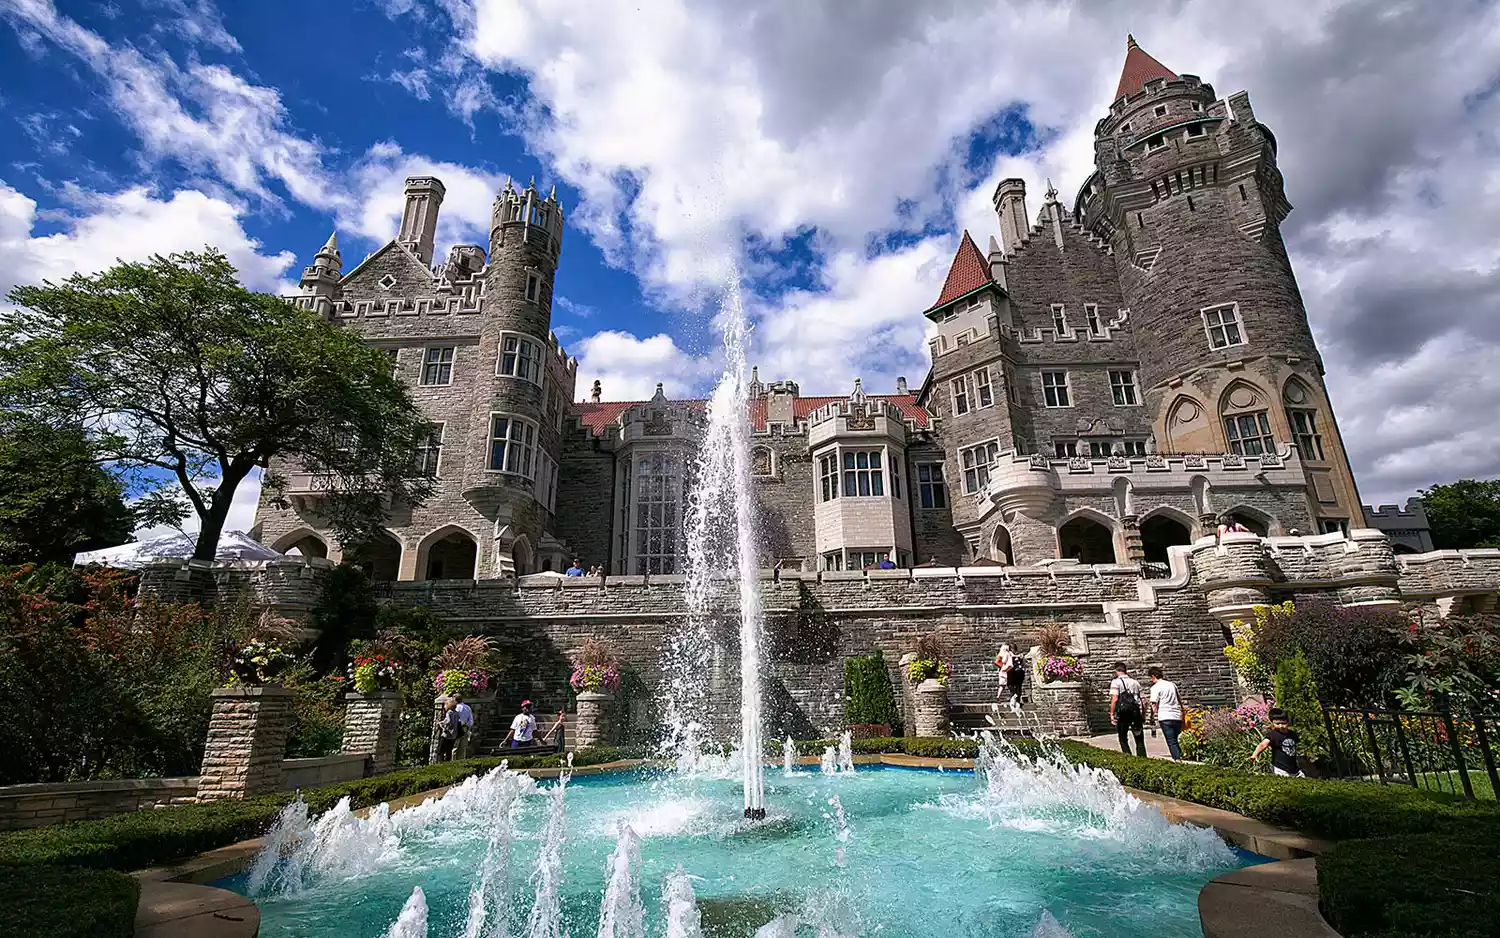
{"x":1433,"y":750}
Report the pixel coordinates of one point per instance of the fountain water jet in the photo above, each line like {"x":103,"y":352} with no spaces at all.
{"x":621,"y":913}
{"x":412,"y":922}
{"x":683,"y":918}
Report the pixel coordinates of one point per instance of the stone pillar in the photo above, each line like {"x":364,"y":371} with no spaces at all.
{"x":1061,"y":707}
{"x":931,"y":705}
{"x":371,"y":724}
{"x":595,"y":724}
{"x":246,"y":742}
{"x":1135,"y":551}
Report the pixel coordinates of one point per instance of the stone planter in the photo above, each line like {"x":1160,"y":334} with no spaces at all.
{"x":371,"y":724}
{"x":246,"y":742}
{"x":930,"y":702}
{"x":596,"y":723}
{"x":1061,"y":707}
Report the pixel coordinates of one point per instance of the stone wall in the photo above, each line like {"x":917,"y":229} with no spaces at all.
{"x":40,"y":805}
{"x":316,"y":772}
{"x":246,"y":744}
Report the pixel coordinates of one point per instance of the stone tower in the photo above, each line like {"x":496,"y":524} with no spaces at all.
{"x":1187,"y":192}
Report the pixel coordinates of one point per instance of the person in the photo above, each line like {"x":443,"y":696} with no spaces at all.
{"x":576,"y":569}
{"x":886,"y":563}
{"x":1125,"y":709}
{"x":558,"y":729}
{"x":1228,"y":524}
{"x":466,"y":725}
{"x":1281,"y":739}
{"x":1167,"y":709}
{"x":1011,"y":673}
{"x":522,"y":728}
{"x":449,"y":728}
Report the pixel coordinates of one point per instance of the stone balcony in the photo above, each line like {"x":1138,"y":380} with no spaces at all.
{"x":306,"y":489}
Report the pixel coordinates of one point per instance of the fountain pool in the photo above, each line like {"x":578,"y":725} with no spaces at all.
{"x":880,"y":851}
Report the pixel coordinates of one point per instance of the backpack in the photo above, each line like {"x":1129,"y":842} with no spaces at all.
{"x":1126,"y":702}
{"x":1019,"y":667}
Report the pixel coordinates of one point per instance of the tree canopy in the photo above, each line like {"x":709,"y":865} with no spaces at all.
{"x":180,"y":372}
{"x":1464,"y":514}
{"x":55,"y":499}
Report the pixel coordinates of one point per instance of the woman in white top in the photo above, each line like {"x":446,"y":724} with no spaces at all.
{"x":1010,"y":673}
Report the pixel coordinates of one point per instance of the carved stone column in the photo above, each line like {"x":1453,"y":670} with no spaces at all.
{"x":931,"y":706}
{"x":371,"y":724}
{"x":246,"y":742}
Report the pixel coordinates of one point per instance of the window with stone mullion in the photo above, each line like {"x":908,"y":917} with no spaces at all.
{"x":1249,"y":434}
{"x":931,"y":491}
{"x":1305,"y":432}
{"x":512,"y":445}
{"x":828,"y":473}
{"x":520,"y":358}
{"x":658,"y":512}
{"x":430,"y":453}
{"x":863,"y":477}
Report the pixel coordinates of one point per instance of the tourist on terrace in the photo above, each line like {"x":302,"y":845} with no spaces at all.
{"x":449,"y":729}
{"x":559,"y":730}
{"x":522,"y":728}
{"x":1167,"y":710}
{"x":576,"y":569}
{"x":466,"y":731}
{"x":1011,"y":675}
{"x":887,"y":564}
{"x":1228,"y":524}
{"x":1125,"y":709}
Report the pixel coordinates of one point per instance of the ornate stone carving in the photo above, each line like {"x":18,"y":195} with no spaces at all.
{"x":760,"y":461}
{"x":1233,"y":461}
{"x":1195,"y":461}
{"x":1080,"y":464}
{"x":859,"y":418}
{"x":1271,"y":461}
{"x":1155,"y":461}
{"x":658,"y":424}
{"x":1119,"y":464}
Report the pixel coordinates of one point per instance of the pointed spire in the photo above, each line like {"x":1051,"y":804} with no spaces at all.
{"x":509,"y":185}
{"x":1139,"y":68}
{"x":332,"y":244}
{"x":553,"y":194}
{"x":1051,"y":190}
{"x":995,"y":246}
{"x":968,"y":273}
{"x":330,"y":250}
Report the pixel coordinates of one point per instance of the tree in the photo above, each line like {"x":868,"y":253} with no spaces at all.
{"x":1464,"y":514}
{"x":179,"y":370}
{"x":55,"y":499}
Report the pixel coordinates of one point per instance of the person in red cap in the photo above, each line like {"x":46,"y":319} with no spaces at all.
{"x":522,"y":728}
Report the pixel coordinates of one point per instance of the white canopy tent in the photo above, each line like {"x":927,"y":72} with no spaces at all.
{"x":235,"y":547}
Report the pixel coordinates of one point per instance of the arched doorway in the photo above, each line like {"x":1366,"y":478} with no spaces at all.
{"x":309,"y":545}
{"x":452,"y":558}
{"x":1085,"y":540}
{"x":1161,"y":531}
{"x":1252,"y":520}
{"x":380,"y":558}
{"x":1000,"y":547}
{"x":520,"y":556}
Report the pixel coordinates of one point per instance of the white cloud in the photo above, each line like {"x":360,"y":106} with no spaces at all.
{"x":241,"y":515}
{"x":628,"y":368}
{"x":413,"y":80}
{"x":131,"y":225}
{"x":379,"y":178}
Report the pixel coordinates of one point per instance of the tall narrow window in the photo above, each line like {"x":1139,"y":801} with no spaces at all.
{"x":1059,"y":319}
{"x":520,"y":358}
{"x":1064,"y":449}
{"x":895,"y":478}
{"x":862,"y":475}
{"x":828,"y":473}
{"x":932,"y":493}
{"x":437,"y":366}
{"x":512,"y":445}
{"x":430,"y":453}
{"x":658,"y":507}
{"x":1055,"y":388}
{"x":1011,"y":391}
{"x":393,"y":359}
{"x":1223,"y":325}
{"x":1249,"y":434}
{"x":533,"y":286}
{"x":1122,"y":386}
{"x":1305,"y":432}
{"x":1091,"y":312}
{"x":960,"y":389}
{"x":977,"y":461}
{"x":982,"y":388}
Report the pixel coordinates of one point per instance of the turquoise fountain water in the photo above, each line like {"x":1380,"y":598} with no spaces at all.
{"x":1017,"y":848}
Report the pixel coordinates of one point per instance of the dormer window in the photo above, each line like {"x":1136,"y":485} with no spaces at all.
{"x":1156,"y":143}
{"x":386,"y":282}
{"x":1195,"y":131}
{"x":1161,"y":110}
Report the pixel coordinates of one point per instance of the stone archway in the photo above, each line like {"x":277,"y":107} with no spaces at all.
{"x":1258,"y":522}
{"x":1161,"y":531}
{"x":1085,"y":539}
{"x":448,"y":554}
{"x":303,"y":542}
{"x":380,"y":558}
{"x":1000,"y":546}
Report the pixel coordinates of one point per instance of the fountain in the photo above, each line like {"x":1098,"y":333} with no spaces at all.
{"x":412,"y":922}
{"x":720,"y":530}
{"x":788,"y":757}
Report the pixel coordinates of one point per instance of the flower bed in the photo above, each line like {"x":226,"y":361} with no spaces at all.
{"x":455,"y":681}
{"x":594,"y":677}
{"x":1224,"y":737}
{"x":1053,"y":668}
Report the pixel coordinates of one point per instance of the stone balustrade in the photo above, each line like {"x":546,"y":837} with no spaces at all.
{"x":597,"y":719}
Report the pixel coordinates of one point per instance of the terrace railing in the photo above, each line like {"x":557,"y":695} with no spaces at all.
{"x":1436,"y":750}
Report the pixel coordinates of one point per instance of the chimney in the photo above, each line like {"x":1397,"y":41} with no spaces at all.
{"x":1010,"y":206}
{"x":901,"y":386}
{"x":997,"y":263}
{"x":596,"y":392}
{"x":419,"y":216}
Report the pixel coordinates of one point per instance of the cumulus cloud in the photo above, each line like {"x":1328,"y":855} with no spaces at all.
{"x":131,"y":225}
{"x":628,"y":368}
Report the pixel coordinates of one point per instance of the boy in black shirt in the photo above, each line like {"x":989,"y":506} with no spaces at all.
{"x":1281,"y":739}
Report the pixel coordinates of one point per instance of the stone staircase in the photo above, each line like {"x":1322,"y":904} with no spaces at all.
{"x":492,"y":738}
{"x":967,"y":719}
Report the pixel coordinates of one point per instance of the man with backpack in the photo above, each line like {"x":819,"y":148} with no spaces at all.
{"x":1125,"y":710}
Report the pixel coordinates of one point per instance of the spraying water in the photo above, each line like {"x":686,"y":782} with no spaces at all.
{"x":681,"y":905}
{"x":720,"y":544}
{"x":412,"y":922}
{"x":489,"y":895}
{"x":839,"y":760}
{"x":621,"y":913}
{"x":788,"y":757}
{"x":546,"y":919}
{"x":1050,"y":927}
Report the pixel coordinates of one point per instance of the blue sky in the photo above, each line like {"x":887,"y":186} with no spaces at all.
{"x":832,"y":151}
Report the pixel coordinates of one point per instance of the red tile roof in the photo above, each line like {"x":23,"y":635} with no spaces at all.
{"x":597,"y":417}
{"x":969,"y":272}
{"x":1139,"y":69}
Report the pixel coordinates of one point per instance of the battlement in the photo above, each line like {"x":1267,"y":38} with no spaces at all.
{"x":1414,"y":511}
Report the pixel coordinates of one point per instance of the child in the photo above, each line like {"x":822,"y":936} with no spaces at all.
{"x":1281,"y":739}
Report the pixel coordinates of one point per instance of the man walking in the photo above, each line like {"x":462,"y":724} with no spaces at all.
{"x":1125,"y":709}
{"x":1167,"y":708}
{"x":522,"y":728}
{"x":466,"y":721}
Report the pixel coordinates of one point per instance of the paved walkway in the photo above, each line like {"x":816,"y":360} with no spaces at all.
{"x":1156,"y":746}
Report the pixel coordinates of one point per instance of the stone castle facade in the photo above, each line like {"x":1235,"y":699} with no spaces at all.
{"x":1107,"y":380}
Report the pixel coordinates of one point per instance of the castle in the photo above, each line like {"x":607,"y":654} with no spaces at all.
{"x":1107,"y":380}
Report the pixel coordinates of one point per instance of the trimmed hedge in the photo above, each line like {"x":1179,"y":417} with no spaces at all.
{"x":62,"y":902}
{"x":162,"y":836}
{"x":1433,"y":885}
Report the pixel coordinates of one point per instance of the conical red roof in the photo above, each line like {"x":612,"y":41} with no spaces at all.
{"x":1139,"y":69}
{"x":969,"y":272}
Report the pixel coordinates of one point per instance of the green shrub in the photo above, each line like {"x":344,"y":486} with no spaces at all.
{"x":1412,"y":886}
{"x":63,"y":902}
{"x":1297,"y":694}
{"x":868,"y":696}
